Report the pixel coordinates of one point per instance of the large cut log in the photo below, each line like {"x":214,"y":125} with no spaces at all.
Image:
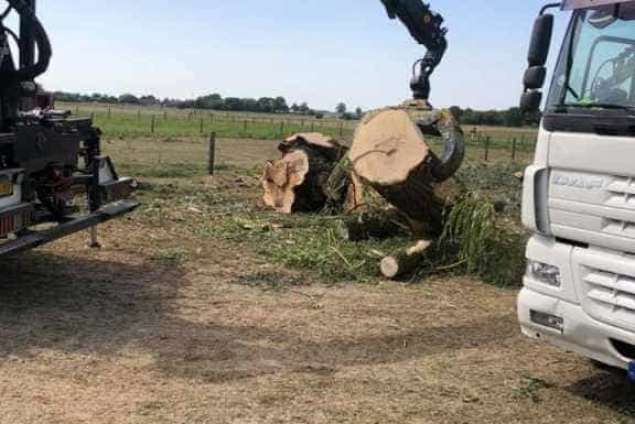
{"x":404,"y":261}
{"x":282,"y":179}
{"x":319,"y":143}
{"x":390,"y":154}
{"x":313,"y":173}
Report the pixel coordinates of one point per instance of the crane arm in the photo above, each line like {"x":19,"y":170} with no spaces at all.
{"x":426,"y":27}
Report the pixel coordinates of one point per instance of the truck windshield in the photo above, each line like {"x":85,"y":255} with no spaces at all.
{"x":597,"y":66}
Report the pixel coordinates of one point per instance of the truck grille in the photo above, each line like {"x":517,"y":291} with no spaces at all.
{"x":596,"y":209}
{"x":609,"y":297}
{"x":621,"y":193}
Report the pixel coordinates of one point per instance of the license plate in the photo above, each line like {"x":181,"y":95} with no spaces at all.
{"x":6,"y":187}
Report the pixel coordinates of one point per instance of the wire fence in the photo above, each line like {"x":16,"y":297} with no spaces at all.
{"x":483,"y":143}
{"x":117,"y":124}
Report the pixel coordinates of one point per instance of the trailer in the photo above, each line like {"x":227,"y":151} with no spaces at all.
{"x":54,"y":179}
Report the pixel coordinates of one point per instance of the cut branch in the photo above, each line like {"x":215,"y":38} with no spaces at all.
{"x":404,"y":261}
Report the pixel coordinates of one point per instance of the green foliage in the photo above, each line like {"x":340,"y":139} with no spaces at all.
{"x":477,"y":239}
{"x":511,"y":117}
{"x":127,"y":123}
{"x":471,"y":226}
{"x":207,"y":102}
{"x":306,"y":242}
{"x":497,"y":183}
{"x":474,"y":242}
{"x":483,"y":243}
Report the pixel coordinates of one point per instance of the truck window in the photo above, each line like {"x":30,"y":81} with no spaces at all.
{"x":597,"y":67}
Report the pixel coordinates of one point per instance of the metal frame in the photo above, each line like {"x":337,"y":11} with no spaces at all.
{"x":585,"y":4}
{"x":32,"y":239}
{"x":59,"y":155}
{"x":596,"y":43}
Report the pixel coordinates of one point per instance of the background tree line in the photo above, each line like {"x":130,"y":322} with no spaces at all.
{"x":209,"y":102}
{"x":511,"y":117}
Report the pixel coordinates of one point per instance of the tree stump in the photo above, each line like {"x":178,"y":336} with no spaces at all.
{"x":404,"y":261}
{"x":313,"y":173}
{"x":389,"y":153}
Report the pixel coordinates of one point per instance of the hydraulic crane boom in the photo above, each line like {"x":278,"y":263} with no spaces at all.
{"x":426,"y":27}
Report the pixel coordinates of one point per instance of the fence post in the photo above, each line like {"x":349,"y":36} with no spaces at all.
{"x":487,"y":141}
{"x":514,"y":141}
{"x":282,"y":129}
{"x":245,"y":125}
{"x":202,"y":129}
{"x":109,"y":112}
{"x":341,"y":129}
{"x":211,"y":154}
{"x":139,"y":114}
{"x":152,"y":124}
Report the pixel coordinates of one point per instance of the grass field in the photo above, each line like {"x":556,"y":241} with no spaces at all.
{"x":204,"y":307}
{"x":128,"y":122}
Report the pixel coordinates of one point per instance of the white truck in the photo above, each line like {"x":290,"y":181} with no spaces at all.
{"x":579,"y":194}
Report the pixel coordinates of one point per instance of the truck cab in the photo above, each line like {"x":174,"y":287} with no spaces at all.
{"x":579,"y":193}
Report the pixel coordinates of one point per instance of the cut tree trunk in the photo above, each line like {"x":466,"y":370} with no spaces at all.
{"x":282,"y":179}
{"x":390,"y":154}
{"x":312,"y":174}
{"x":404,"y":261}
{"x":321,"y":144}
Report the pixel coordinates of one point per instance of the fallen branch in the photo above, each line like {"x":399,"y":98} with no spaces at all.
{"x":404,"y":261}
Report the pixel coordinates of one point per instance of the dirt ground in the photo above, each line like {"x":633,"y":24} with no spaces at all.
{"x":163,"y":325}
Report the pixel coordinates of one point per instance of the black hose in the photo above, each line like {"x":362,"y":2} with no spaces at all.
{"x":41,"y":40}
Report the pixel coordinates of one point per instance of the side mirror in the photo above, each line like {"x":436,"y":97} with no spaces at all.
{"x":530,"y":101}
{"x":536,"y":74}
{"x":541,"y":40}
{"x":535,"y":77}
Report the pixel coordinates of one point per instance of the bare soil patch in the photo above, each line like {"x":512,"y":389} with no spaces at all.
{"x":170,"y":324}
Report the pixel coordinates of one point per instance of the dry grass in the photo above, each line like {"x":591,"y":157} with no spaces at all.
{"x":163,"y":325}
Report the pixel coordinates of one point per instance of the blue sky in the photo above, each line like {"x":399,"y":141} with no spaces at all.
{"x":319,"y":51}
